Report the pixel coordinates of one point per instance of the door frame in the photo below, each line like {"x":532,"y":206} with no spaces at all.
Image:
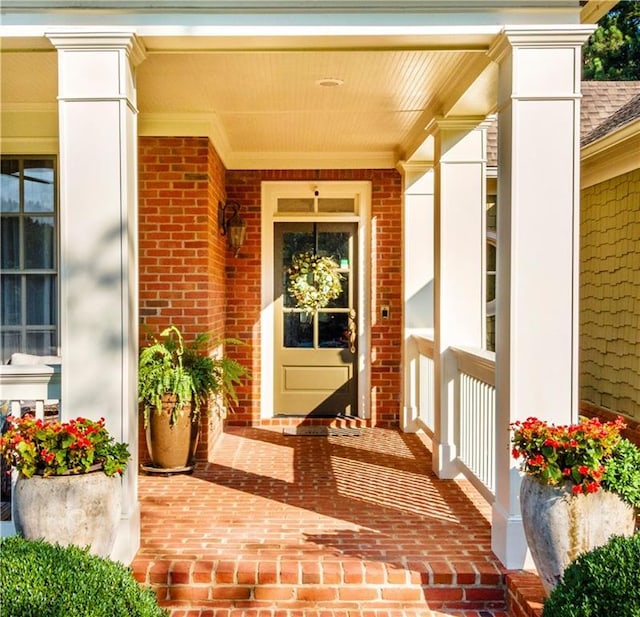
{"x":270,"y":192}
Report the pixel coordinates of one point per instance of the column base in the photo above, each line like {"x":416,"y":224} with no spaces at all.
{"x":444,"y":461}
{"x":408,"y":419}
{"x":508,"y":541}
{"x":128,"y":537}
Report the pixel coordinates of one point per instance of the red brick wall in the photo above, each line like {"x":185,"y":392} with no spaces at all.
{"x":190,"y":279}
{"x":182,"y":254}
{"x":243,"y":291}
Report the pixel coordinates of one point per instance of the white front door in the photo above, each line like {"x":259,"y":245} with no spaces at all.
{"x":315,"y":353}
{"x":315,"y":364}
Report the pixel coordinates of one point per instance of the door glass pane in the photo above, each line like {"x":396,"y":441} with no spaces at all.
{"x":286,"y":204}
{"x":41,"y":299}
{"x":342,"y":301}
{"x":334,"y":244}
{"x":41,"y":343}
{"x":289,"y":299}
{"x":294,"y":242}
{"x":10,"y":186}
{"x":10,"y":251}
{"x":336,"y":204}
{"x":11,"y":300}
{"x":10,"y":344}
{"x":38,"y":186}
{"x":298,"y":330}
{"x":333,"y":329}
{"x":38,"y":241}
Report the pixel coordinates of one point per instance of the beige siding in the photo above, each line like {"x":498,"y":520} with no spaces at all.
{"x":610,"y":294}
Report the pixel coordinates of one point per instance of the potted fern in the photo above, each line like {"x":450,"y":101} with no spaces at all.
{"x":176,"y":381}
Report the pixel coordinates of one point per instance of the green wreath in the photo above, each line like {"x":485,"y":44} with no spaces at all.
{"x":313,"y":281}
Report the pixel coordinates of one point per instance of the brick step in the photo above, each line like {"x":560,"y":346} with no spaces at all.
{"x":323,"y":612}
{"x":281,"y":526}
{"x":303,"y":586}
{"x":525,"y":594}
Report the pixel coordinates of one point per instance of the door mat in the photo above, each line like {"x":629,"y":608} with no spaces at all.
{"x":321,"y":431}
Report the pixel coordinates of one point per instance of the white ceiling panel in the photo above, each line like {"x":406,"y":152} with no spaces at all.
{"x":266,"y":105}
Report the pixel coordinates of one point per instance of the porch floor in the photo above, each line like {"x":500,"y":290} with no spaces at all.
{"x":302,"y":526}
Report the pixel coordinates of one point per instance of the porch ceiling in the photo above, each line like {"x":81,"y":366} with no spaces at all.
{"x":246,"y":73}
{"x":260,"y":101}
{"x":268,"y":109}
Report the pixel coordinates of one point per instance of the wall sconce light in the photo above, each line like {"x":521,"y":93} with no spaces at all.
{"x":232,"y":225}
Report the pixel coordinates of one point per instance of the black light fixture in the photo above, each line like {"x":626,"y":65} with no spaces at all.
{"x":232,"y":225}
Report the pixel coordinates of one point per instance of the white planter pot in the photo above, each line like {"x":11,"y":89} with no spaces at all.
{"x":559,"y":526}
{"x":79,"y":509}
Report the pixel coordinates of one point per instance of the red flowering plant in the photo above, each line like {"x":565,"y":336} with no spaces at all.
{"x":61,"y":448}
{"x":589,"y":455}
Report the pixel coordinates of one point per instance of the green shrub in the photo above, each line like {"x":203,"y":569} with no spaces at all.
{"x":38,"y":579}
{"x":604,"y":582}
{"x":622,"y":472}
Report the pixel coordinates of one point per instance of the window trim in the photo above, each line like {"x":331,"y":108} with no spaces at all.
{"x":23,"y":328}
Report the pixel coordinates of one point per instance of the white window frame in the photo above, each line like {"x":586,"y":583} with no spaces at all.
{"x":23,"y":328}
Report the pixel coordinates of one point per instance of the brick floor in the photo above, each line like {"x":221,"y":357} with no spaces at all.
{"x":282,"y":526}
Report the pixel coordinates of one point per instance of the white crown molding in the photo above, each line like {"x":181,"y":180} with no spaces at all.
{"x":311,"y":160}
{"x":415,"y":167}
{"x":453,"y":123}
{"x":78,"y":40}
{"x":536,"y":36}
{"x":208,"y":125}
{"x":186,"y":125}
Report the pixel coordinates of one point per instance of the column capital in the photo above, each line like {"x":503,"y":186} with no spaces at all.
{"x":456,"y":123}
{"x":414,"y":167}
{"x":97,"y":40}
{"x":536,"y":36}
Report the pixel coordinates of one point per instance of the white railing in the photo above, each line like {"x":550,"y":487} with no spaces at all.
{"x":474,"y":407}
{"x":424,"y":382}
{"x":32,"y":387}
{"x":475,"y":410}
{"x":34,"y":383}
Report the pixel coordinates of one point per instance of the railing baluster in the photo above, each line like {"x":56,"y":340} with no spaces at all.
{"x":476,"y":409}
{"x":426,"y":394}
{"x":477,"y":417}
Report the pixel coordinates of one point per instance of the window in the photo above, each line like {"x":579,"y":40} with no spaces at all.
{"x":28,"y":256}
{"x":490,"y":299}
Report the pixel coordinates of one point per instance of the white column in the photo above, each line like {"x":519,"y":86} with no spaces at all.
{"x":460,"y":195}
{"x":417,"y":228}
{"x":537,"y":277}
{"x":98,"y":252}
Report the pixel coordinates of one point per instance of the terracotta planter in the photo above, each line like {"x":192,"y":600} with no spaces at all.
{"x":82,"y":509}
{"x":171,"y":445}
{"x":559,"y":526}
